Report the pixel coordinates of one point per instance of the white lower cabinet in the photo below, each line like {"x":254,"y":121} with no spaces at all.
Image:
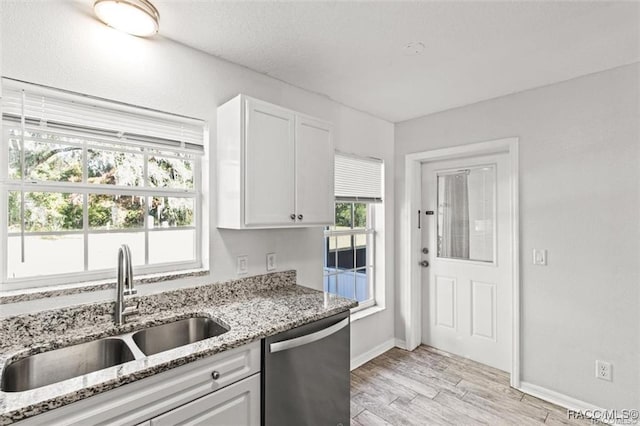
{"x":223,"y":389}
{"x":237,"y":404}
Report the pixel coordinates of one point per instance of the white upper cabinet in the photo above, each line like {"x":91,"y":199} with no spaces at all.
{"x":275,"y":167}
{"x":314,"y":172}
{"x":269,"y":165}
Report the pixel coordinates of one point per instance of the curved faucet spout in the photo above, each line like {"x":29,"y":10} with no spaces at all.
{"x":124,"y":285}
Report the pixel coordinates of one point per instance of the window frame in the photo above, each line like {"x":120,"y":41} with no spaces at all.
{"x":85,"y":188}
{"x":371,"y":235}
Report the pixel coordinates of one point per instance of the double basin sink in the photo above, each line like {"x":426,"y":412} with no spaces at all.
{"x":60,"y":364}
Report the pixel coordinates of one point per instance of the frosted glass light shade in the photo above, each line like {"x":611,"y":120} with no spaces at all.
{"x":136,"y":17}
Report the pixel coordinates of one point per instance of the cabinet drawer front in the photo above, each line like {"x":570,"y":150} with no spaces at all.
{"x":237,"y":404}
{"x":139,"y":401}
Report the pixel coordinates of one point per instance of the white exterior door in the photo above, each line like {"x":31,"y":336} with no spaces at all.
{"x":314,"y":172}
{"x":269,"y":165}
{"x":467,"y":284}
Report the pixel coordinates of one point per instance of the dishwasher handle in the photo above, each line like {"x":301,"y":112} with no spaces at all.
{"x":308,"y":338}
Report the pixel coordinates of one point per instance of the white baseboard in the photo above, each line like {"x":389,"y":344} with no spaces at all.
{"x":401,"y":344}
{"x":372,"y":353}
{"x":556,"y":397}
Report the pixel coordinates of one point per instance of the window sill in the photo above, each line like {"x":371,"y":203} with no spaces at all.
{"x":363,"y":313}
{"x":23,"y":295}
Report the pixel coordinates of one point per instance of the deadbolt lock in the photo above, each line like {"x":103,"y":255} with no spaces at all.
{"x":425,"y":250}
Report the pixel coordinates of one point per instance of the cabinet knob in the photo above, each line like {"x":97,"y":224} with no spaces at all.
{"x":215,"y":375}
{"x":300,"y":217}
{"x":293,"y":216}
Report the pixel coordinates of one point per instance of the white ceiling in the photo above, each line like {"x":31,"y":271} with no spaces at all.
{"x":353,"y":51}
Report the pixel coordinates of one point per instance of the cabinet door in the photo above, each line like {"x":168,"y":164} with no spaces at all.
{"x":314,"y":172}
{"x":269,"y":165}
{"x":237,"y":404}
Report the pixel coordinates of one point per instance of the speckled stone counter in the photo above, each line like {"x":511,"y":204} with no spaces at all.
{"x":252,"y":308}
{"x":14,"y":296}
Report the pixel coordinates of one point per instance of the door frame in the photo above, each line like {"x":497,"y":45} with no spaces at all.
{"x":410,"y":270}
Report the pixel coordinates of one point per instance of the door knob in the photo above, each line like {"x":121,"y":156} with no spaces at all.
{"x":424,"y":263}
{"x":292,"y":216}
{"x":215,"y":375}
{"x":300,"y":217}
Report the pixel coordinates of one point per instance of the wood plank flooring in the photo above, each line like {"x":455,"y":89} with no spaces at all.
{"x":432,"y":387}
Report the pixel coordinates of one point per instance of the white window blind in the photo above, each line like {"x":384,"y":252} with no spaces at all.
{"x":72,"y":114}
{"x":358,"y":179}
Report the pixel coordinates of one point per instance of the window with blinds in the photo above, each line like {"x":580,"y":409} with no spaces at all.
{"x":80,"y":176}
{"x":349,"y":267}
{"x":358,"y":179}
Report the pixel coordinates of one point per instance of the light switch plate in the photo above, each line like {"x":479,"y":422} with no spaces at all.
{"x":540,"y":257}
{"x":242,"y":266}
{"x":271,"y":262}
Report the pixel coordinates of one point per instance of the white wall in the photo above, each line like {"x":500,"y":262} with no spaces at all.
{"x":61,"y":44}
{"x":580,"y":199}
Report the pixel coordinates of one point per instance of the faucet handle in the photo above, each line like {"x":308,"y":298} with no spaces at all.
{"x":131,"y":310}
{"x":130,"y":291}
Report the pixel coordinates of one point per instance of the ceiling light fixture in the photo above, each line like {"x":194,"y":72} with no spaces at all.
{"x":137,"y":17}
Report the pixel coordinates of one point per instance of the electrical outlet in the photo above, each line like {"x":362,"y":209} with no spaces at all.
{"x":603,"y":370}
{"x":540,"y":257}
{"x":271,"y":262}
{"x":242,"y":265}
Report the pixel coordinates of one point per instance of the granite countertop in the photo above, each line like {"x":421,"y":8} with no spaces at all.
{"x":252,"y":308}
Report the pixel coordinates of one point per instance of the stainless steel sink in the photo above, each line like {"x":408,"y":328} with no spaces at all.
{"x":169,"y":336}
{"x":60,"y":364}
{"x":65,"y":363}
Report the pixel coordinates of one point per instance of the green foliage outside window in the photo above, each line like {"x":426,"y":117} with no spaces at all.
{"x":46,"y":211}
{"x":52,"y":158}
{"x":346,"y":211}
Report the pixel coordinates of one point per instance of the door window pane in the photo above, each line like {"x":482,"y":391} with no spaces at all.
{"x":466,"y":214}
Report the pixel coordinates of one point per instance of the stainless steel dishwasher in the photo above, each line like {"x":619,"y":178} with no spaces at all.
{"x":305,"y":374}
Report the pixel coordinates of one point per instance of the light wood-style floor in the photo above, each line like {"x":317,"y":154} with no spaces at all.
{"x":432,"y":387}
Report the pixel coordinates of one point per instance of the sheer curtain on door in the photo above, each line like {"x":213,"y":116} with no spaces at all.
{"x":453,"y":215}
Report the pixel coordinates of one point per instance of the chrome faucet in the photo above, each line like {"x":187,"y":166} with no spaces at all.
{"x":124,"y":285}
